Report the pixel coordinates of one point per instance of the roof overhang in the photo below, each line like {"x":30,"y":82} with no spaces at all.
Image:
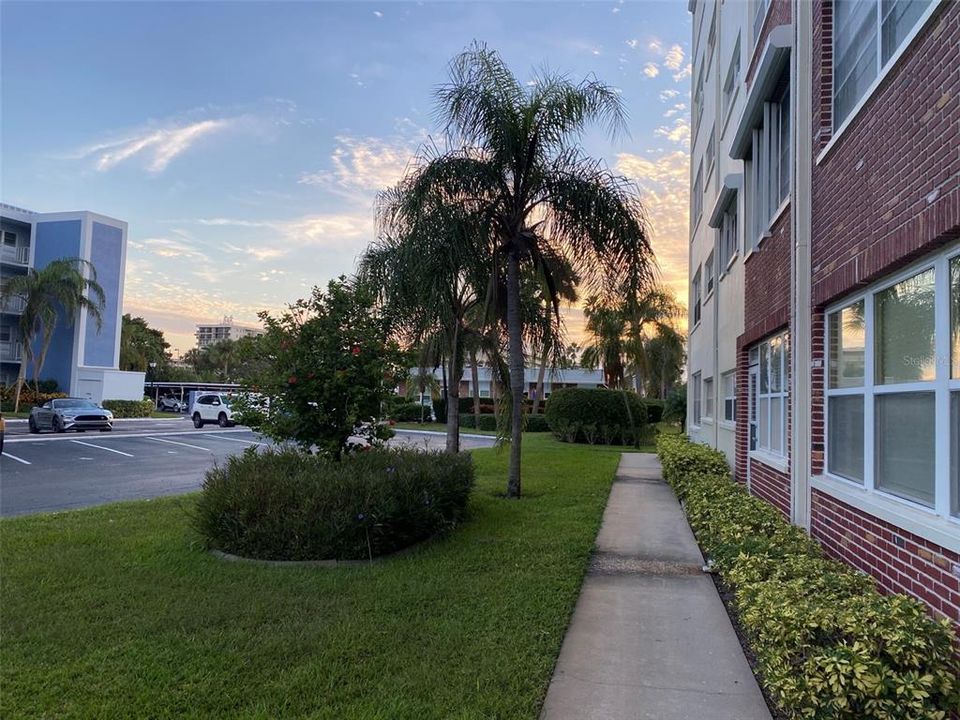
{"x":775,"y":57}
{"x":731,"y":186}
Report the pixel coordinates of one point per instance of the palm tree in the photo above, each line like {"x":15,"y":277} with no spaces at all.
{"x":656,"y":310}
{"x":62,"y":288}
{"x":607,"y":348}
{"x":515,"y":163}
{"x":665,"y":355}
{"x":422,"y":383}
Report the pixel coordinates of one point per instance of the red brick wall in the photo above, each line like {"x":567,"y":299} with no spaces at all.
{"x":900,"y":561}
{"x":779,"y":13}
{"x":889,"y":189}
{"x":767,"y":283}
{"x":771,"y":485}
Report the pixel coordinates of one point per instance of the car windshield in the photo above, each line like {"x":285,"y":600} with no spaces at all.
{"x":62,"y":404}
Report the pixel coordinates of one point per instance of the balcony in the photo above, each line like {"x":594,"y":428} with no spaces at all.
{"x":16,"y":255}
{"x":9,"y":352}
{"x":13,"y":305}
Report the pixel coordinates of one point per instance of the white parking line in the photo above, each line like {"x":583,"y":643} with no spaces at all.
{"x":174,"y":442}
{"x":248,"y":442}
{"x":101,"y":447}
{"x":14,"y":457}
{"x":61,"y":438}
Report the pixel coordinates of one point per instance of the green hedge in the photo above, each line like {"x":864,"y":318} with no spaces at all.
{"x":531,"y":423}
{"x":409,"y":412}
{"x":289,"y":505}
{"x":655,"y":409}
{"x":129,"y":408}
{"x":596,"y":415}
{"x":465,"y":405}
{"x":828,"y":645}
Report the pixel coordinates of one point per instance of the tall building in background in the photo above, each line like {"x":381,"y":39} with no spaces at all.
{"x":227,"y":330}
{"x":825,"y":273}
{"x":83,"y":359}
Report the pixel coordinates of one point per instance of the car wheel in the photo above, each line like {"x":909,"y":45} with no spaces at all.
{"x":32,"y":426}
{"x":222,"y":420}
{"x":58,"y":425}
{"x":106,"y":429}
{"x":197,"y":420}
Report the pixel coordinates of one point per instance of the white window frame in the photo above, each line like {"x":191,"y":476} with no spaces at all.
{"x":760,"y":396}
{"x":728,"y":386}
{"x":768,"y":197}
{"x":695,"y":300}
{"x":708,"y":400}
{"x":729,"y":239}
{"x":883,"y":71}
{"x":731,"y":83}
{"x":710,"y":274}
{"x":696,"y":417}
{"x":696,"y":201}
{"x":711,"y":152}
{"x":758,"y":18}
{"x":698,"y":103}
{"x":942,"y":387}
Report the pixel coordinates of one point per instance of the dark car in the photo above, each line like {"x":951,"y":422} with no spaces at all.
{"x":65,"y":414}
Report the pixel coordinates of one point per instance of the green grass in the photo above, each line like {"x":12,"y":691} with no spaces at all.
{"x":441,"y":428}
{"x":117,"y":611}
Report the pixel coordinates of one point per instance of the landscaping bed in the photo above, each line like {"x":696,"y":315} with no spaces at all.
{"x":119,"y":610}
{"x":825,"y":643}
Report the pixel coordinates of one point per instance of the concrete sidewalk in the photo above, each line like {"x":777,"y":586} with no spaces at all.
{"x":650,"y":637}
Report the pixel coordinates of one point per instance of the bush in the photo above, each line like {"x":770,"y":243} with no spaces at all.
{"x":290,"y":505}
{"x":596,"y":416}
{"x":28,"y":396}
{"x":828,"y":645}
{"x":129,"y":408}
{"x":655,"y":409}
{"x":410,"y":412}
{"x":465,"y":405}
{"x":535,"y":423}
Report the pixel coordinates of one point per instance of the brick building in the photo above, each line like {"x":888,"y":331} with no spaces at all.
{"x":825,"y":272}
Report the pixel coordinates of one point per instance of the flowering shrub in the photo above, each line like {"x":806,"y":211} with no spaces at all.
{"x":129,"y":408}
{"x":290,"y":505}
{"x":828,"y":645}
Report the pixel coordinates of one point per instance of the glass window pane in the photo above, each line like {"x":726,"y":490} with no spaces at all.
{"x":855,"y":53}
{"x":845,"y":437}
{"x":905,"y":349}
{"x":847,"y":346}
{"x":955,"y":452}
{"x":776,"y":425}
{"x":905,"y":463}
{"x":764,"y":423}
{"x":764,"y":369}
{"x":955,"y":316}
{"x":899,"y":17}
{"x":776,"y":365}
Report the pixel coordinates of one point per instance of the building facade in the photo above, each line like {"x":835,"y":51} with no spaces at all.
{"x":82,"y":357}
{"x":227,"y":330}
{"x":825,"y":273}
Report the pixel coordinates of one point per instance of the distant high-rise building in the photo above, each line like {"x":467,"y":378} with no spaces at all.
{"x":208,"y":334}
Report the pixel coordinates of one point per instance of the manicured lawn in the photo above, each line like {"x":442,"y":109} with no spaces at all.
{"x":440,"y":427}
{"x":118,"y":611}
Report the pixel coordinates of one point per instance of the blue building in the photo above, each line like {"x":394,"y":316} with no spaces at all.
{"x":83,"y":358}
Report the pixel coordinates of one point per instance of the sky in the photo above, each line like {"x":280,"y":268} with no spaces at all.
{"x":245,"y":142}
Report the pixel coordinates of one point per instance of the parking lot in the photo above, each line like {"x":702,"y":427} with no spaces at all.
{"x":139,"y":459}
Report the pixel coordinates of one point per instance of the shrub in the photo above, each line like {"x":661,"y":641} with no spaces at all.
{"x":465,"y":405}
{"x":828,"y":645}
{"x":535,"y":423}
{"x":596,"y":416}
{"x":28,"y":396}
{"x":129,"y":408}
{"x":290,"y":505}
{"x":410,"y":412}
{"x":655,"y":409}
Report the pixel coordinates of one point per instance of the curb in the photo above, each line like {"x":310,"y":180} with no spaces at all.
{"x":440,"y":434}
{"x":13,"y":421}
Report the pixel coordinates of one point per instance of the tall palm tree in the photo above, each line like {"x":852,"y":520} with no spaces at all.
{"x":654,"y":311}
{"x":665,"y":355}
{"x":515,"y":162}
{"x":607,"y":347}
{"x":60,"y":290}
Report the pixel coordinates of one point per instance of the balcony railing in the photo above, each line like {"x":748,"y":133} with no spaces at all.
{"x":19,"y":255}
{"x":10,"y":352}
{"x":13,"y":305}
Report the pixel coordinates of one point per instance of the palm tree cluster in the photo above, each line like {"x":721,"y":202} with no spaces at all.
{"x":62,"y":288}
{"x":485,"y":236}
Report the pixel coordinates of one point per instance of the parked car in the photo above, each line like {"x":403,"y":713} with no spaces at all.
{"x":169,"y":403}
{"x":212,"y":407}
{"x":65,"y":414}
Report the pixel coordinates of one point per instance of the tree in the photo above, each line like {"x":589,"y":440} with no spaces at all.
{"x":58,"y":291}
{"x":141,"y":345}
{"x":327,"y":364}
{"x":652,"y":312}
{"x":607,"y":348}
{"x":514,"y":161}
{"x":666,"y":356}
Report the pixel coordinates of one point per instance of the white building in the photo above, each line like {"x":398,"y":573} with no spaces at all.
{"x":208,"y":334}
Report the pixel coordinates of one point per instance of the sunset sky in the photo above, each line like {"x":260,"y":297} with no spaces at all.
{"x":244,"y":142}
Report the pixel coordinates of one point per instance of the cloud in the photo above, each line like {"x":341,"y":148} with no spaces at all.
{"x":655,"y":46}
{"x":664,"y":179}
{"x":331,"y":231}
{"x":651,"y":70}
{"x":668,"y":95}
{"x":678,"y":133}
{"x":632,"y":43}
{"x":377,"y":13}
{"x":157,"y":146}
{"x":168,"y":248}
{"x":675,"y":110}
{"x":683,"y":74}
{"x":674,"y":57}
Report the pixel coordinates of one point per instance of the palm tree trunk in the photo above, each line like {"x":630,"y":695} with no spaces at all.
{"x":540,"y":378}
{"x":475,"y":380}
{"x":21,"y":379}
{"x":515,"y":332}
{"x":453,"y":395}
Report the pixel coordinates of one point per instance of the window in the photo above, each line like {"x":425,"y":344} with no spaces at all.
{"x":893,"y":387}
{"x":711,"y":150}
{"x":708,"y":398}
{"x":759,"y":14}
{"x":729,"y":243}
{"x":862,"y":47}
{"x":732,"y":81}
{"x":770,"y":393}
{"x":728,"y":385}
{"x":697,"y":389}
{"x":5,"y":333}
{"x":696,"y":201}
{"x":9,"y":239}
{"x":698,"y":103}
{"x":770,"y":162}
{"x":708,"y":273}
{"x":711,"y":42}
{"x":695,"y":299}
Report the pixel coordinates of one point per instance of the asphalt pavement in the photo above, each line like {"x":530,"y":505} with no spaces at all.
{"x":140,"y":459}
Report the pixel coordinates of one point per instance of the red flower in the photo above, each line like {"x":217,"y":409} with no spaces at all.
{"x":292,"y":380}
{"x":355,"y":350}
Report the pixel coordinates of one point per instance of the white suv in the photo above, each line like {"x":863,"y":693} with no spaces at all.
{"x":212,"y":407}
